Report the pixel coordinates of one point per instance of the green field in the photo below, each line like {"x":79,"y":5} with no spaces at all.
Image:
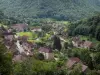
{"x":31,"y":35}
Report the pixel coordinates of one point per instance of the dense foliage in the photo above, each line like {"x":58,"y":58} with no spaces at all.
{"x":57,"y":43}
{"x":59,"y":9}
{"x":8,"y":20}
{"x":87,"y":27}
{"x":5,"y":60}
{"x":37,"y":67}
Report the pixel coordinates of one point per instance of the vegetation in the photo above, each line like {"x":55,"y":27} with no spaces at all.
{"x":58,"y":9}
{"x":5,"y":60}
{"x":57,"y":43}
{"x":54,"y":35}
{"x":88,"y":27}
{"x":37,"y":67}
{"x":31,"y":35}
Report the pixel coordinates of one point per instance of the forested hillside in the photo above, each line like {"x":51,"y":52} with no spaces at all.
{"x":88,"y":27}
{"x":58,"y":9}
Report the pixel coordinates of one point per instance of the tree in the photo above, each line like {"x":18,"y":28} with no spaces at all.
{"x":97,"y":34}
{"x":57,"y":43}
{"x":84,"y":55}
{"x":96,"y":58}
{"x":81,"y":30}
{"x":46,"y":28}
{"x":36,"y":67}
{"x":17,"y":68}
{"x":40,"y":56}
{"x":92,"y":72}
{"x":5,"y":61}
{"x":66,"y":45}
{"x":77,"y":70}
{"x":98,"y":47}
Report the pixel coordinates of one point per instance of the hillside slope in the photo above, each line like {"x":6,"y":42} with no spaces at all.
{"x":88,"y":27}
{"x":60,"y":9}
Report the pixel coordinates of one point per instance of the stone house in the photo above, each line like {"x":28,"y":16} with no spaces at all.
{"x":8,"y":36}
{"x":81,"y":43}
{"x":20,"y":27}
{"x":36,"y":29}
{"x":47,"y":52}
{"x":72,"y":63}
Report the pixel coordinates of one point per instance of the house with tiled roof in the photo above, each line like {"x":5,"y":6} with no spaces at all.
{"x":47,"y":52}
{"x":23,"y":38}
{"x":76,"y":41}
{"x":36,"y":29}
{"x":88,"y":44}
{"x":20,"y":27}
{"x":25,"y":47}
{"x":19,"y":58}
{"x":81,"y":43}
{"x":8,"y":36}
{"x":72,"y":63}
{"x":28,"y":47}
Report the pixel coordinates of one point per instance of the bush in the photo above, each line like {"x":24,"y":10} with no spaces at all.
{"x":40,"y":56}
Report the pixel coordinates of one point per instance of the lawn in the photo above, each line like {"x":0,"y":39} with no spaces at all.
{"x":65,"y":22}
{"x":31,"y":35}
{"x":84,"y":37}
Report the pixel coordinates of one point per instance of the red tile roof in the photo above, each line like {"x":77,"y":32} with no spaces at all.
{"x":72,"y":61}
{"x":75,"y":59}
{"x":18,"y":58}
{"x":19,"y":26}
{"x":84,"y":67}
{"x":44,"y":49}
{"x":6,"y":33}
{"x":88,"y":44}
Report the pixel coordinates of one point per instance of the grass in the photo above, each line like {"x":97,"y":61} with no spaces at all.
{"x":3,"y":26}
{"x":84,"y":37}
{"x":31,"y":35}
{"x":25,"y":34}
{"x":88,"y":38}
{"x":34,"y":40}
{"x":30,"y":40}
{"x":65,"y":22}
{"x":39,"y":40}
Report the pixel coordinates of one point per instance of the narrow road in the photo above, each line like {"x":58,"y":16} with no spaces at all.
{"x":63,"y":39}
{"x":20,"y":49}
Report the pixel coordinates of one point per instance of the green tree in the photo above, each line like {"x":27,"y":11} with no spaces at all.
{"x":40,"y":56}
{"x":37,"y":67}
{"x":66,"y":45}
{"x":98,"y":47}
{"x":5,"y":61}
{"x":92,"y":72}
{"x":84,"y":55}
{"x":96,"y":58}
{"x":57,"y":43}
{"x":17,"y":68}
{"x":97,"y":34}
{"x":77,"y":70}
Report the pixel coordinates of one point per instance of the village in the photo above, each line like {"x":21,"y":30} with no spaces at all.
{"x":23,"y":46}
